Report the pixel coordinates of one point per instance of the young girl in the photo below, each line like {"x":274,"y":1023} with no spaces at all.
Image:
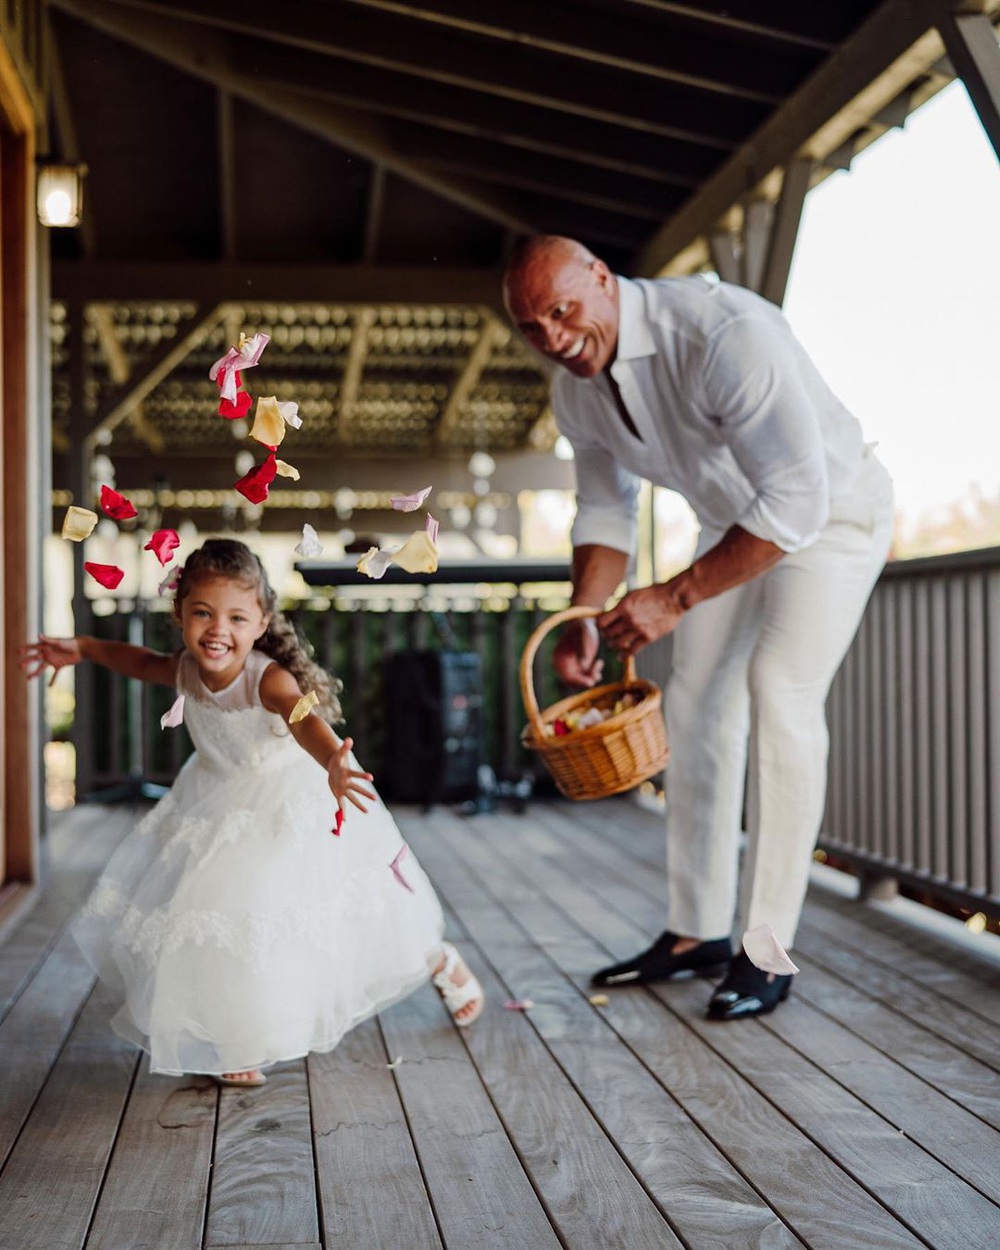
{"x":237,"y":929}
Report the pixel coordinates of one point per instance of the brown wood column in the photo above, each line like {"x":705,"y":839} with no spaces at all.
{"x":21,"y":508}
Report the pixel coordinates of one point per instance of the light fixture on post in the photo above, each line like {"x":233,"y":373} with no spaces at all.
{"x":59,"y":193}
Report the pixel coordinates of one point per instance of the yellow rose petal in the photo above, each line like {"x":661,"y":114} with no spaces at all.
{"x":304,"y":706}
{"x":78,"y":523}
{"x":268,"y":424}
{"x":418,"y":554}
{"x":287,"y":470}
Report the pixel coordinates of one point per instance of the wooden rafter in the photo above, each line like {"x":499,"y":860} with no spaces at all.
{"x":971,"y":41}
{"x":350,"y":383}
{"x":66,"y":129}
{"x":120,"y":370}
{"x":207,"y":55}
{"x":493,"y":335}
{"x":211,"y":283}
{"x":116,"y":406}
{"x":227,"y":176}
{"x":373,"y":214}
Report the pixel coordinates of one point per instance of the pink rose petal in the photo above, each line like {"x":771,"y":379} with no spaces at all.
{"x":518,"y":1004}
{"x":410,"y":503}
{"x":163,"y":544}
{"x":175,"y":714}
{"x":766,"y":953}
{"x":400,"y":856}
{"x":431,"y":528}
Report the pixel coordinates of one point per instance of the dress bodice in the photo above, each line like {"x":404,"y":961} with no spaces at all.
{"x":230,"y":728}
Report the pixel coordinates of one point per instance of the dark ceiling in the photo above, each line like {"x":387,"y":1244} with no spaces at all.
{"x":348,"y":175}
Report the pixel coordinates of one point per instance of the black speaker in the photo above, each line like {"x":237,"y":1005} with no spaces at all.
{"x":434,"y":726}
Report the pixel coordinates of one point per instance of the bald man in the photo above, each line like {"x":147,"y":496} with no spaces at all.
{"x":701,"y":387}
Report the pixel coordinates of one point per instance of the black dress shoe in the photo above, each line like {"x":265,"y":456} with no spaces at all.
{"x":747,"y":991}
{"x":707,"y":959}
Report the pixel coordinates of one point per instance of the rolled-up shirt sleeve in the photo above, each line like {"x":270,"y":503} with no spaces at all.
{"x":754,"y":393}
{"x":606,"y":501}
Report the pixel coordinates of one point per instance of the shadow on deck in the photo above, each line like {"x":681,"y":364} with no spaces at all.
{"x":861,"y":1114}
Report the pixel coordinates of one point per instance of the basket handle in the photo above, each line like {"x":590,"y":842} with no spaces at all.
{"x":528,"y":658}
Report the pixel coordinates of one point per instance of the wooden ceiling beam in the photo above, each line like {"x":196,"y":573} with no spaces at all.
{"x":644,"y":44}
{"x":120,"y":370}
{"x":525,"y":74}
{"x":350,"y":382}
{"x":493,"y":335}
{"x":208,"y":55}
{"x":820,"y":26}
{"x":652,"y":151}
{"x":554,"y":176}
{"x":212,"y":283}
{"x":117,"y":406}
{"x":885,"y":37}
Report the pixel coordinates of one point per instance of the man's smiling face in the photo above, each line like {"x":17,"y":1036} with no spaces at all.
{"x":565,"y":303}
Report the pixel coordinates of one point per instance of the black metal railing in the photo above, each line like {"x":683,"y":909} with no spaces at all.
{"x":914,"y":789}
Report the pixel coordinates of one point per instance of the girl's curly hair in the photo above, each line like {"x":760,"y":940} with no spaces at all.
{"x":227,"y":558}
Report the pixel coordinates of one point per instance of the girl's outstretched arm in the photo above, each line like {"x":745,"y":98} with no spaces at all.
{"x":121,"y":657}
{"x":279,"y":692}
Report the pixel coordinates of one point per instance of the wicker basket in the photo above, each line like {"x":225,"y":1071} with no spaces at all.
{"x":615,"y":755}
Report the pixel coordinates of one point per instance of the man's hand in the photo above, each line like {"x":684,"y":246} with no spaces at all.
{"x":575,"y":655}
{"x":640,"y":617}
{"x":46,"y":653}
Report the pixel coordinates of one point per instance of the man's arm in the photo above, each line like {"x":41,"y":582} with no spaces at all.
{"x":645,"y":615}
{"x":597,"y":573}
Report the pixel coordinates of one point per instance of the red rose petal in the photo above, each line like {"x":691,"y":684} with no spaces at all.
{"x":107,"y":574}
{"x":254,"y":485}
{"x":116,"y":505}
{"x":163,"y":544}
{"x":339,"y":823}
{"x":233,"y":412}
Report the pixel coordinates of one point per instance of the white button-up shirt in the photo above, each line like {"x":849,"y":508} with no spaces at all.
{"x":731,"y":412}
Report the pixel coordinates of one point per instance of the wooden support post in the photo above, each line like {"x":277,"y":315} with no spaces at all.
{"x":972,"y":46}
{"x":725,"y":255}
{"x":786,"y":229}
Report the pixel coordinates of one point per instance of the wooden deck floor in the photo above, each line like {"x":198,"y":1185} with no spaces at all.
{"x":861,"y":1114}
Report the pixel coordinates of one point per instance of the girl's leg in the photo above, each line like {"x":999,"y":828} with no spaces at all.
{"x":461,"y":991}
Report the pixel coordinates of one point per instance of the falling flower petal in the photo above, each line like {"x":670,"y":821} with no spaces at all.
{"x":107,"y":574}
{"x":117,"y":506}
{"x":290,"y":413}
{"x":765,"y":951}
{"x":287,"y":470}
{"x":518,"y":1004}
{"x":338,"y":822}
{"x":400,"y":856}
{"x":78,"y":523}
{"x":310,"y":545}
{"x":268,"y":425}
{"x":304,"y":706}
{"x":232,"y":411}
{"x":418,"y":554}
{"x":598,"y":1000}
{"x":374,"y":562}
{"x":163,"y":544}
{"x":395,"y":1063}
{"x":170,"y":581}
{"x":175,"y":715}
{"x":431,"y":526}
{"x":410,"y":503}
{"x":225,"y":369}
{"x":254,"y":485}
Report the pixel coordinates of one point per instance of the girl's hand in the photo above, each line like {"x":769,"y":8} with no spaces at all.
{"x":46,"y":653}
{"x":345,"y":781}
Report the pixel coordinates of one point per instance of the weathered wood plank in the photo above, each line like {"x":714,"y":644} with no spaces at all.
{"x":284,"y":1245}
{"x":156,"y":1187}
{"x":263,"y":1190}
{"x":930,"y":1118}
{"x":370,"y":1187}
{"x":34,"y":1031}
{"x":52,"y":1178}
{"x":703,"y":1196}
{"x":480,"y":1192}
{"x":774,"y":1155}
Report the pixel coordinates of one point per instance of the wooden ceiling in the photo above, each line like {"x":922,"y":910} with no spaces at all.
{"x":348,"y":175}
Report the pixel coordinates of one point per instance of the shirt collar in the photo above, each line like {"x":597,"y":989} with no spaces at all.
{"x":634,"y":338}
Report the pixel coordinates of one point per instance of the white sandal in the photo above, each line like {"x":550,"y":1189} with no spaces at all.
{"x":458,"y":996}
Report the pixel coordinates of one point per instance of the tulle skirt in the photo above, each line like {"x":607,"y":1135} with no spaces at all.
{"x":239,"y":932}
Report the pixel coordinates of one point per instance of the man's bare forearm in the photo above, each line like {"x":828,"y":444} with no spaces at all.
{"x":597,"y":573}
{"x":738,"y":557}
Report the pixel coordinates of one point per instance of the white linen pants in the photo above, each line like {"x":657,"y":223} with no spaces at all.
{"x":746,"y":703}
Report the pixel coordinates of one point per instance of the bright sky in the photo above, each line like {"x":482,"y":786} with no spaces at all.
{"x":895,"y":290}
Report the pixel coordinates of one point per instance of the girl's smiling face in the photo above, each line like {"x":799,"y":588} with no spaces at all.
{"x":220,"y":621}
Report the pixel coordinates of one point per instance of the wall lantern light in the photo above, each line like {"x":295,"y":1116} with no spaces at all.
{"x":59,"y":195}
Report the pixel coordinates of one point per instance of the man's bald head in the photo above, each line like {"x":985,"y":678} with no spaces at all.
{"x":564,"y":301}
